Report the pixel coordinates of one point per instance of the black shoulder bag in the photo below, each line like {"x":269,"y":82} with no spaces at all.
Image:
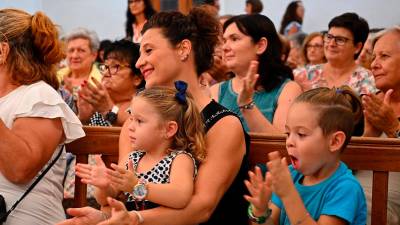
{"x":3,"y":209}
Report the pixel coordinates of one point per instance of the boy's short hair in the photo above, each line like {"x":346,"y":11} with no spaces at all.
{"x":339,"y":109}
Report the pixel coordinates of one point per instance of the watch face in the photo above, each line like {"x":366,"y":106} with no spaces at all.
{"x":139,"y":191}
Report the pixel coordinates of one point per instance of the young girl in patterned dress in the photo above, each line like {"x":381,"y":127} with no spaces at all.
{"x":167,"y":136}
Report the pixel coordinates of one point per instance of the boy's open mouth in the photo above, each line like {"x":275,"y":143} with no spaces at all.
{"x":295,"y":162}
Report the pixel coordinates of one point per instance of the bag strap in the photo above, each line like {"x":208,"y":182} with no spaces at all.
{"x":33,"y":184}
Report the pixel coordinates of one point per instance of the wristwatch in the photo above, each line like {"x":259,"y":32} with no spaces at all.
{"x":258,"y":220}
{"x":140,"y":190}
{"x":112,"y":115}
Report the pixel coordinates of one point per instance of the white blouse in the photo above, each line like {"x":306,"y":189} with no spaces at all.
{"x":43,"y":205}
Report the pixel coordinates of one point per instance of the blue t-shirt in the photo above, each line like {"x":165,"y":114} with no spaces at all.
{"x":340,"y":195}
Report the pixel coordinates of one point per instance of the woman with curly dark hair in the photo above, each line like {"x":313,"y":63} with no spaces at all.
{"x":137,"y":14}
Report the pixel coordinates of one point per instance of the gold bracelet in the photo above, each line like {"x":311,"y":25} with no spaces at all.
{"x":303,"y":219}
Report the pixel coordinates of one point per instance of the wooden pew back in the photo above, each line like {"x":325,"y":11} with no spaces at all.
{"x":98,"y":140}
{"x":378,"y":155}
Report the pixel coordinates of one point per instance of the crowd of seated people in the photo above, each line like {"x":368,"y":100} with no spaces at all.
{"x":242,"y":74}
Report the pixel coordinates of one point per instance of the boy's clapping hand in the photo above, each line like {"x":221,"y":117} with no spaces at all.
{"x":279,"y":176}
{"x":259,"y":190}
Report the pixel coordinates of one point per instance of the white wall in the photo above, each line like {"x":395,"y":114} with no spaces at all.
{"x":318,"y":13}
{"x":107,"y":17}
{"x":30,"y":6}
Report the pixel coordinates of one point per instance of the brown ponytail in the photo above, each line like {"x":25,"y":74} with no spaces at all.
{"x":34,"y":46}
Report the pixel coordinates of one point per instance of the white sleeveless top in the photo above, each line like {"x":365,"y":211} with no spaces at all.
{"x":43,"y":205}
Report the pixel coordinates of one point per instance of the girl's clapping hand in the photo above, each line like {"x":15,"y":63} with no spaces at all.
{"x":94,"y":175}
{"x":122,"y":179}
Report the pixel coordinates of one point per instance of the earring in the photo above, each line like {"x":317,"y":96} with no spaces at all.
{"x":184,"y":57}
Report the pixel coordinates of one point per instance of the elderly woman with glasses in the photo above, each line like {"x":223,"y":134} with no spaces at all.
{"x":382,"y":113}
{"x":342,"y":44}
{"x":105,"y":103}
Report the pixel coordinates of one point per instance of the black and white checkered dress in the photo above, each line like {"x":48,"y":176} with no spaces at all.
{"x":159,"y":174}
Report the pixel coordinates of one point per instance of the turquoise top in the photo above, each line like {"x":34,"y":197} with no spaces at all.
{"x":266,"y":102}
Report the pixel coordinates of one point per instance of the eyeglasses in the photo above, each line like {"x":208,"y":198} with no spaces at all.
{"x":339,"y":40}
{"x":112,"y":69}
{"x":316,"y":46}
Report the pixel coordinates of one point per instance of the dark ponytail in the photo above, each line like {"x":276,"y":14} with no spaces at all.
{"x":199,"y":27}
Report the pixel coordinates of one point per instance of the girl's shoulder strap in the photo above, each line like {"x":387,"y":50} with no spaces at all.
{"x":173,"y":154}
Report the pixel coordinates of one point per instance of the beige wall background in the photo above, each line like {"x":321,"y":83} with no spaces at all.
{"x":107,"y":17}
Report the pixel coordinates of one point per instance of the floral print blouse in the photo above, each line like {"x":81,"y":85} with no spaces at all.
{"x":310,"y":77}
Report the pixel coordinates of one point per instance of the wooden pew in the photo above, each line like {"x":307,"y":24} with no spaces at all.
{"x":98,"y":140}
{"x":376,"y":154}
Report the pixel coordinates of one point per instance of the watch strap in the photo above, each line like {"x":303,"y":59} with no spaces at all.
{"x":112,"y":115}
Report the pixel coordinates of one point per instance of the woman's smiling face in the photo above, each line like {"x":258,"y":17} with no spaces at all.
{"x":159,"y":61}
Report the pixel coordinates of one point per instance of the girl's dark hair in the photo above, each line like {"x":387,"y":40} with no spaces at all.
{"x":199,"y":27}
{"x":131,"y":19}
{"x":357,"y":25}
{"x":290,"y":16}
{"x":339,"y":109}
{"x":271,"y":68}
{"x":125,"y":51}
